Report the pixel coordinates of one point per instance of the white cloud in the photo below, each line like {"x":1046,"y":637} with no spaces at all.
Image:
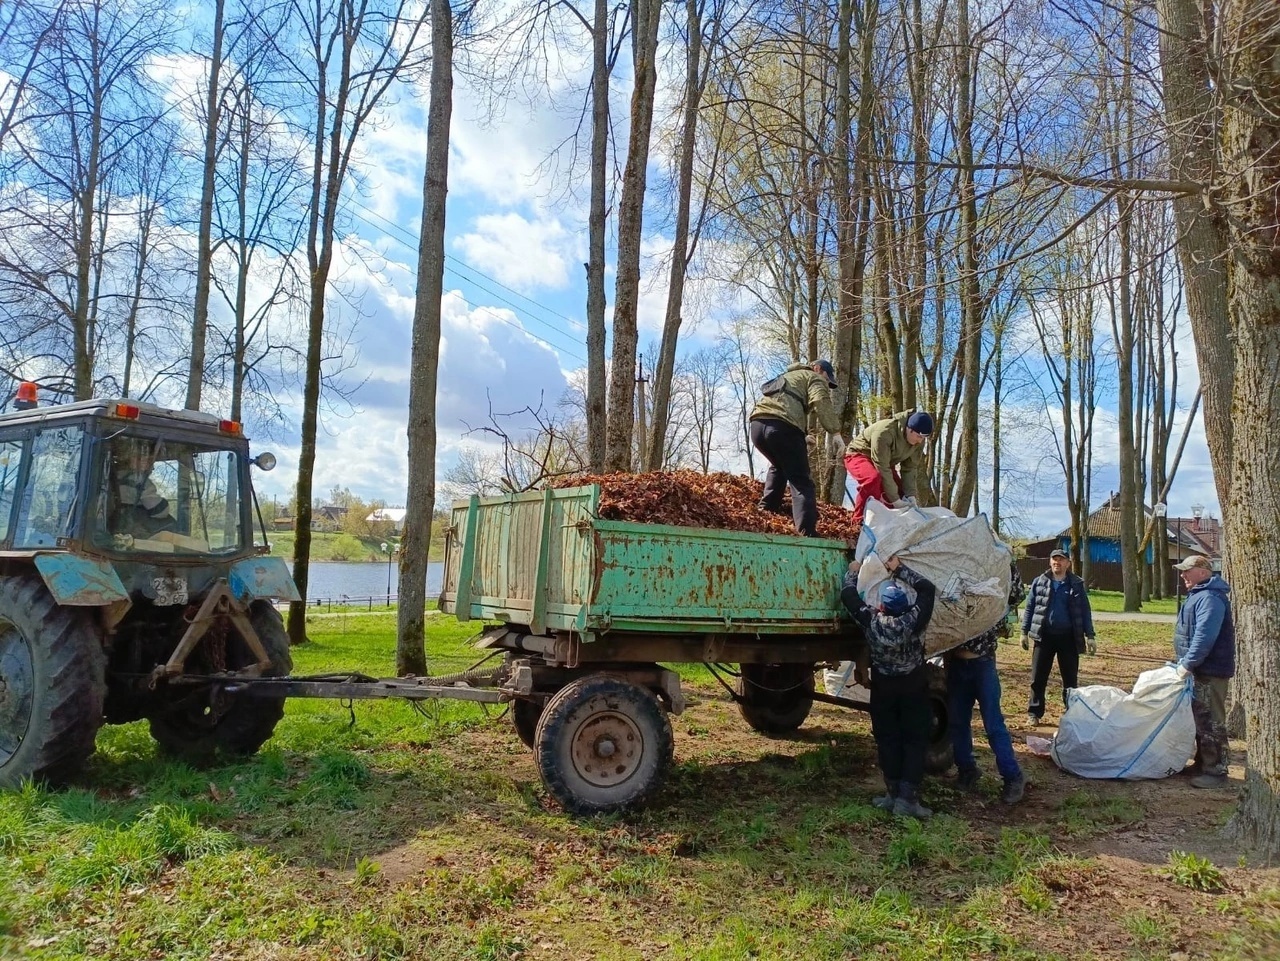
{"x":522,"y":253}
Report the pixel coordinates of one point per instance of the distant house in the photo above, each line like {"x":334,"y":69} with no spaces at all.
{"x":1199,"y":534}
{"x":327,"y":518}
{"x":395,"y":515}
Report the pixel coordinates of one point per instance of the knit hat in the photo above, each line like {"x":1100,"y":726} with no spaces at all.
{"x":894,"y":600}
{"x":920,"y":422}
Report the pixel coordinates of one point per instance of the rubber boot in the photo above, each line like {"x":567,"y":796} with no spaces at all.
{"x":890,"y":795}
{"x":908,"y":803}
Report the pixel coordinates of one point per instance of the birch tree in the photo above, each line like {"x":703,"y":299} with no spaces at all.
{"x":357,"y":49}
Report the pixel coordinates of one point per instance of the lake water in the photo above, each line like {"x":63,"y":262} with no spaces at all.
{"x":329,"y":580}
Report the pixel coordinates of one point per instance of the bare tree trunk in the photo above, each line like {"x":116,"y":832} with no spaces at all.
{"x":681,"y":251}
{"x":1192,"y":120}
{"x":853,"y":206}
{"x":971,"y":309}
{"x":596,"y":380}
{"x":358,"y":93}
{"x":204,"y":231}
{"x":645,"y":15}
{"x":420,"y":504}
{"x":1249,"y":79}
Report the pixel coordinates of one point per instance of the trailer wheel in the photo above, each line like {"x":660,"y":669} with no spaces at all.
{"x":603,"y":744}
{"x":939,"y":756}
{"x":52,"y":685}
{"x":775,"y":698}
{"x":202,"y":725}
{"x":524,"y":718}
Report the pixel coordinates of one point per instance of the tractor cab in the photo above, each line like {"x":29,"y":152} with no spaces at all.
{"x":128,"y":566}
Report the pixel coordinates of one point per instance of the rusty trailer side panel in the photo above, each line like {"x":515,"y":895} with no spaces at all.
{"x":545,"y":560}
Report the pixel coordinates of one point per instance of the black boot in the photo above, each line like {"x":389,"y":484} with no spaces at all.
{"x":908,"y":803}
{"x":890,"y":795}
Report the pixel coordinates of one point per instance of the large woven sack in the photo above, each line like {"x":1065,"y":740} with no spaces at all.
{"x":1107,"y":733}
{"x":968,"y":565}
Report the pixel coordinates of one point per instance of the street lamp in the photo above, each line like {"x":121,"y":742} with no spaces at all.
{"x":389,"y":550}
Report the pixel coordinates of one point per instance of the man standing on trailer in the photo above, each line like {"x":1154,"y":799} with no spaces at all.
{"x":779,"y":429}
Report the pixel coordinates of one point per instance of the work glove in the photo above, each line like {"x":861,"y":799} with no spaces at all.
{"x":1090,"y":645}
{"x":1026,"y":642}
{"x":911,"y":501}
{"x":900,"y":504}
{"x":1183,"y":671}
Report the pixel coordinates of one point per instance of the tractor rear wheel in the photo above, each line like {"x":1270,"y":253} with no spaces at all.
{"x":206,"y":724}
{"x":775,"y":698}
{"x":52,"y":684}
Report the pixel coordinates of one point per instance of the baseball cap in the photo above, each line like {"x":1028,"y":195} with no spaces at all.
{"x":828,"y":371}
{"x":1059,"y":552}
{"x":1194,"y":560}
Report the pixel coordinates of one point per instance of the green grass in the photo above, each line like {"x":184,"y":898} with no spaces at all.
{"x":1113,"y":602}
{"x":407,"y":834}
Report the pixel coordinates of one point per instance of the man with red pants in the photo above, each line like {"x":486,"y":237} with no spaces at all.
{"x":887,"y":460}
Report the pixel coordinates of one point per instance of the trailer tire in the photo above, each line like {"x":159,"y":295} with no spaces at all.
{"x":603,"y":744}
{"x":52,"y":685}
{"x":939,"y":756}
{"x":775,"y":698}
{"x":202,"y":729}
{"x":524,"y":718}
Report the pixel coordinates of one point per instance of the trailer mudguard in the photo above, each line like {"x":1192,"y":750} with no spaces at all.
{"x":77,"y":581}
{"x":257,"y":577}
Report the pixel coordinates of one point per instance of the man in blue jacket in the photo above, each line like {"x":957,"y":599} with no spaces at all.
{"x":1204,"y":642}
{"x":1059,"y":621}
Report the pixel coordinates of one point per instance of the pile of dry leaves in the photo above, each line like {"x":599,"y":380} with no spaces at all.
{"x":687,"y":498}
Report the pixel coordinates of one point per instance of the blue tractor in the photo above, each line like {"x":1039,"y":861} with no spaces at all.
{"x":131,"y":585}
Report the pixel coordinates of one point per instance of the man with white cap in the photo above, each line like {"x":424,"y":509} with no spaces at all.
{"x":1204,"y":643}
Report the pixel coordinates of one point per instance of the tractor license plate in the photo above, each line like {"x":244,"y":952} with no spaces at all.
{"x":170,"y":590}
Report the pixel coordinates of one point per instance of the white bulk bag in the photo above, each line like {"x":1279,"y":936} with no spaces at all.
{"x":1107,"y":733}
{"x":960,"y":555}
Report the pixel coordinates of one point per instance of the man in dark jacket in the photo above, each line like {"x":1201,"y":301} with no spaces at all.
{"x":900,"y":711}
{"x":972,"y":677}
{"x":1058,"y":620}
{"x":779,"y":426}
{"x":1204,"y":642}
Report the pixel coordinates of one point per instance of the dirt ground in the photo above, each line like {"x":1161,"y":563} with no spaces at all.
{"x":1117,"y":836}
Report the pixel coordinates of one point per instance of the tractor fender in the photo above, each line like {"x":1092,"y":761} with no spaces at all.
{"x":262,"y":577}
{"x":77,"y":581}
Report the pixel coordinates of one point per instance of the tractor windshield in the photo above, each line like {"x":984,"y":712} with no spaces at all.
{"x":168,"y":496}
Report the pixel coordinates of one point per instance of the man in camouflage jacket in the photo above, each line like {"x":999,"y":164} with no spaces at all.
{"x":972,"y":677}
{"x":900,"y":712}
{"x":779,"y":427}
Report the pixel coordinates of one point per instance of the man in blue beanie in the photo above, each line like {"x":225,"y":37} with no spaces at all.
{"x":900,"y":711}
{"x":887,"y":461}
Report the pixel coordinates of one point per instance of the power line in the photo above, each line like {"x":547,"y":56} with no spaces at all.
{"x":408,"y":238}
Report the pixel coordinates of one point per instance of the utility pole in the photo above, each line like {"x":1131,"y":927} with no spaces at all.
{"x":641,"y":432}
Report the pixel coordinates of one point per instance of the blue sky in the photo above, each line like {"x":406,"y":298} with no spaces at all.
{"x":514,"y":308}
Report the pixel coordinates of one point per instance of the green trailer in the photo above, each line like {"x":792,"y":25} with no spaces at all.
{"x":588,"y":610}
